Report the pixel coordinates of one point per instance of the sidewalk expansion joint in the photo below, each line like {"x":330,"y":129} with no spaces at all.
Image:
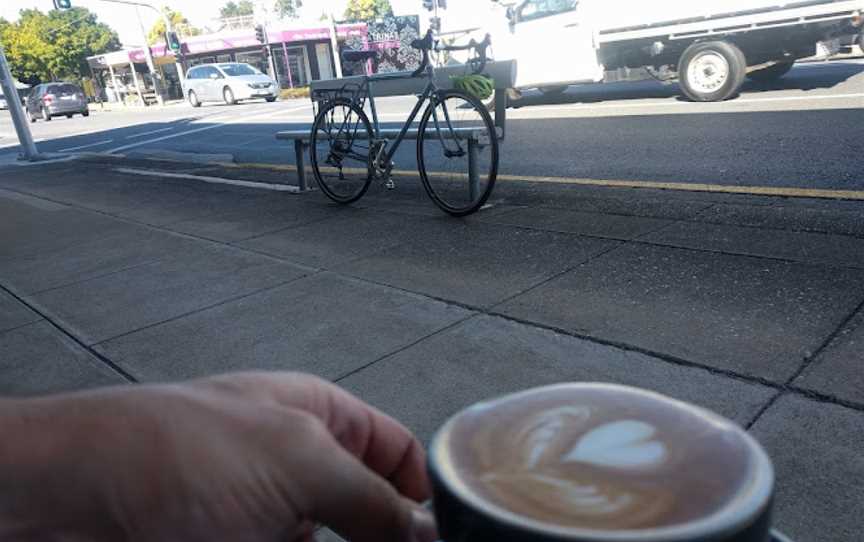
{"x":406,"y":347}
{"x":71,"y":336}
{"x":206,"y":308}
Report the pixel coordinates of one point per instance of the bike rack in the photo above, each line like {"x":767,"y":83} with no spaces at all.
{"x":503,"y":73}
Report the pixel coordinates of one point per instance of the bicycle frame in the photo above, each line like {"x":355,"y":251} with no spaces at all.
{"x":428,"y":95}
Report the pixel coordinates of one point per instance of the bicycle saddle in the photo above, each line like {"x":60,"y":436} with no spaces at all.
{"x":358,"y":56}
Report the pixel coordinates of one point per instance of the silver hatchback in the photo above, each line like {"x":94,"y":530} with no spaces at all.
{"x":50,"y":100}
{"x":229,"y":83}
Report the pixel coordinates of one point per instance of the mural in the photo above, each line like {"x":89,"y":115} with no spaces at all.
{"x":391,"y":37}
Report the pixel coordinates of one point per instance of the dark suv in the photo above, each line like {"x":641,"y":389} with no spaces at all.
{"x":50,"y":100}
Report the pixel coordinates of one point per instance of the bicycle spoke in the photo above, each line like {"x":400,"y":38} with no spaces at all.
{"x":340,"y":152}
{"x":458,"y":153}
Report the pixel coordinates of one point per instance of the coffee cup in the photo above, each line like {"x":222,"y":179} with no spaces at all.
{"x":598,"y":463}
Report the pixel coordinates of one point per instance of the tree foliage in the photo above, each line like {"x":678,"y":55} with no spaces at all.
{"x":367,"y":10}
{"x":287,"y":9}
{"x":236,"y":9}
{"x":55,"y":45}
{"x":179,"y":22}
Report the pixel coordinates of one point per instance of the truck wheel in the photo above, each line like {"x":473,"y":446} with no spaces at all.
{"x":771,"y":73}
{"x":712,"y":71}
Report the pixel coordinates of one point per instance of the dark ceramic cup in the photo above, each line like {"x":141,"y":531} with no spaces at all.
{"x":598,"y":463}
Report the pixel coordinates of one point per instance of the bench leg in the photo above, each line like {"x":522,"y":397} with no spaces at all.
{"x":473,"y":181}
{"x":501,"y":111}
{"x":300,"y":156}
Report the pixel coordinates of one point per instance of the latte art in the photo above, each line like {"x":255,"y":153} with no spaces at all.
{"x":598,"y":459}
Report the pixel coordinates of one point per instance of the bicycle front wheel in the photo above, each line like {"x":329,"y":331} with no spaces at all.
{"x":457,"y":152}
{"x":339,"y":151}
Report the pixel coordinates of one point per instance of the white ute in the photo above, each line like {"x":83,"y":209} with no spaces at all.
{"x":708,"y":46}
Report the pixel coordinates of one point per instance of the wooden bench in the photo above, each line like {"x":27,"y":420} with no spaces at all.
{"x":502,"y":73}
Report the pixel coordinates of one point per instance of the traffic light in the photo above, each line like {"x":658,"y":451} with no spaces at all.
{"x":173,"y":41}
{"x":259,"y":33}
{"x":442,"y":4}
{"x":62,"y":4}
{"x":435,"y":24}
{"x":429,"y":4}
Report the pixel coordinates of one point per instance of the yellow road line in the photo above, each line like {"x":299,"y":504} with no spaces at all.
{"x":786,"y":192}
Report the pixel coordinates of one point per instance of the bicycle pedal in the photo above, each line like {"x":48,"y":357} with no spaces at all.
{"x":390,"y":185}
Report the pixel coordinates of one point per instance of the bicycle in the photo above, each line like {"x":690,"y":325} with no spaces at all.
{"x":457,"y":142}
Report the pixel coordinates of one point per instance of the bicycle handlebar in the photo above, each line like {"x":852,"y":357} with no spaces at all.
{"x":427,"y":43}
{"x":479,"y":63}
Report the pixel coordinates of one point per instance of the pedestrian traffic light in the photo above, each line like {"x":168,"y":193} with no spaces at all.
{"x":442,"y":4}
{"x":429,"y":4}
{"x":173,"y":41}
{"x":62,"y":4}
{"x":259,"y":33}
{"x":435,"y":24}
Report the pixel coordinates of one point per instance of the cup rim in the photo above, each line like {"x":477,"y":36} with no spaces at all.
{"x":742,"y":510}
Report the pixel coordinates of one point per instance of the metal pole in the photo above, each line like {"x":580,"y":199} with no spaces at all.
{"x":157,"y":87}
{"x":334,"y":45}
{"x":137,"y":84}
{"x":18,"y":118}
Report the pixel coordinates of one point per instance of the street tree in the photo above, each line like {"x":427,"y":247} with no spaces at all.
{"x":367,"y":10}
{"x":179,"y":22}
{"x":236,"y":9}
{"x":53,"y":46}
{"x":287,"y":9}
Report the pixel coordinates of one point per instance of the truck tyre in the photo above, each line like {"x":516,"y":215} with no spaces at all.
{"x":712,"y":71}
{"x":771,"y":73}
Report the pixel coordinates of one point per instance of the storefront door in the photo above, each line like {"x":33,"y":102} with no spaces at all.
{"x":325,"y":62}
{"x":293,"y":69}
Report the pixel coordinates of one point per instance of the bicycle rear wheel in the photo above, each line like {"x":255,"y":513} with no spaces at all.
{"x":339,"y":151}
{"x":457,"y":152}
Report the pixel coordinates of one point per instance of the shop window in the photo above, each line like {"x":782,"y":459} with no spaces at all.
{"x":293,"y":70}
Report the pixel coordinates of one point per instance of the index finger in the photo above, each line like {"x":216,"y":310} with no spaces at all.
{"x":383,"y":444}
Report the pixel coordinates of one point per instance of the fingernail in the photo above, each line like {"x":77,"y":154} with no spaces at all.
{"x":423,"y":527}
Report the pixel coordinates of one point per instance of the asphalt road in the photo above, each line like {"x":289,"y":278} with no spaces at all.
{"x":804,"y":131}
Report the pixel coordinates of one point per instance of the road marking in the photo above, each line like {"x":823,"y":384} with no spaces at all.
{"x":791,"y":192}
{"x":80,"y":147}
{"x":151,"y":132}
{"x":816,"y":193}
{"x":207,"y":179}
{"x":196,"y":130}
{"x":540,"y":109}
{"x":16,"y":144}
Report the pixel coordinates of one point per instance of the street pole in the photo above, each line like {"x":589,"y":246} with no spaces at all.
{"x":148,"y":55}
{"x":18,"y":118}
{"x":334,"y":44}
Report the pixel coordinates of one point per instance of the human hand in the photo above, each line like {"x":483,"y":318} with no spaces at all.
{"x":238,"y":457}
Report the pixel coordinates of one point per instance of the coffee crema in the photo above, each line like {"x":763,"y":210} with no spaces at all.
{"x":598,"y":457}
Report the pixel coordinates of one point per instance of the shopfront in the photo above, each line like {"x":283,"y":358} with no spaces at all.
{"x":299,"y":56}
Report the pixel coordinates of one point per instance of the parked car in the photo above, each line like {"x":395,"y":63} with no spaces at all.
{"x":3,"y":104}
{"x":228,"y":83}
{"x":50,"y":100}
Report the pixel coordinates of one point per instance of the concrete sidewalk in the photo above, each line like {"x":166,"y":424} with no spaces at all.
{"x":750,"y":306}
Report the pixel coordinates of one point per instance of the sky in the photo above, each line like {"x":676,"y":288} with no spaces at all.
{"x":203,"y":12}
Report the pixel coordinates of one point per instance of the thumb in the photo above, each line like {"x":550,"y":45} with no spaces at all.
{"x":361,"y":506}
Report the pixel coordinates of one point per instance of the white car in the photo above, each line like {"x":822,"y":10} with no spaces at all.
{"x":229,"y":83}
{"x":3,"y":104}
